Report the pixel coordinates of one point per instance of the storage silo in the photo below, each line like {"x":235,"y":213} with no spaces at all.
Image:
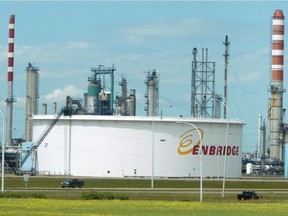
{"x":32,"y":98}
{"x":94,"y":88}
{"x":122,"y":144}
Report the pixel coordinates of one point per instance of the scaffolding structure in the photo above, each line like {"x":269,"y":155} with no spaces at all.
{"x":202,"y":86}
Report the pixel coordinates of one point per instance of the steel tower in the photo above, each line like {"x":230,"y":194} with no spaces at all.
{"x":202,"y":86}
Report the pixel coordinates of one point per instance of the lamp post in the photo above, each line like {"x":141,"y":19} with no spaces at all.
{"x":3,"y":149}
{"x":226,"y":145}
{"x":152,"y":174}
{"x":161,"y":112}
{"x":201,"y":158}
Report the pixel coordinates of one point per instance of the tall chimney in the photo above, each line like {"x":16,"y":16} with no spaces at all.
{"x":226,"y":55}
{"x":10,"y":98}
{"x":275,"y":113}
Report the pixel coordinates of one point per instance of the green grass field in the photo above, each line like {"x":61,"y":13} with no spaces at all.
{"x":272,"y":190}
{"x":169,"y":197}
{"x":16,"y":182}
{"x":27,"y":207}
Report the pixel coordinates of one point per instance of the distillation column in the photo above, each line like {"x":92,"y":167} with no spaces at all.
{"x":123,"y":85}
{"x":32,"y":98}
{"x":131,"y":103}
{"x":152,"y":83}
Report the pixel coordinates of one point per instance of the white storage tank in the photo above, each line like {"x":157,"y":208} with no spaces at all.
{"x":249,"y":168}
{"x":119,"y":145}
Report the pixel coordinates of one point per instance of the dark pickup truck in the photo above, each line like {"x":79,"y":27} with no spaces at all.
{"x":247,"y":195}
{"x":72,"y":183}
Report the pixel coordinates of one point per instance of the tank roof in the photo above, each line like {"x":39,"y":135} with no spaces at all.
{"x":140,"y":119}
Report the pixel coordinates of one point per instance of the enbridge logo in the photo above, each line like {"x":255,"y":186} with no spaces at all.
{"x":190,"y":140}
{"x":189,"y":143}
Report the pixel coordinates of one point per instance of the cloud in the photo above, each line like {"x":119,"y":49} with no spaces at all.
{"x":78,"y":45}
{"x":245,"y":78}
{"x":139,"y":32}
{"x":51,"y":53}
{"x":59,"y":95}
{"x":249,"y":67}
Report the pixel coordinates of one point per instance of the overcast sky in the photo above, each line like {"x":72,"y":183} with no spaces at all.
{"x":65,"y":39}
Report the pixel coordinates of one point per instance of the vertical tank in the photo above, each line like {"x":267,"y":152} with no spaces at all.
{"x":44,"y":109}
{"x":54,"y":108}
{"x":131,"y":103}
{"x":152,"y":83}
{"x":217,"y":107}
{"x":94,"y":88}
{"x":123,"y":85}
{"x":32,"y":98}
{"x":85,"y":95}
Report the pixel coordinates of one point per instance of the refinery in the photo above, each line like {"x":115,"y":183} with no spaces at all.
{"x":100,"y":135}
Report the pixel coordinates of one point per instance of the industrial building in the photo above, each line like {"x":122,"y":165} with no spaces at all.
{"x":101,"y":134}
{"x":123,"y":146}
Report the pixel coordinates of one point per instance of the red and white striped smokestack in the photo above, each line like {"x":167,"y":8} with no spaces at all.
{"x":10,"y":99}
{"x":11,"y":48}
{"x":278,"y":46}
{"x":275,"y":114}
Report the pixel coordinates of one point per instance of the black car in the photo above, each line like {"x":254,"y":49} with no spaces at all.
{"x":247,"y":195}
{"x":72,"y":183}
